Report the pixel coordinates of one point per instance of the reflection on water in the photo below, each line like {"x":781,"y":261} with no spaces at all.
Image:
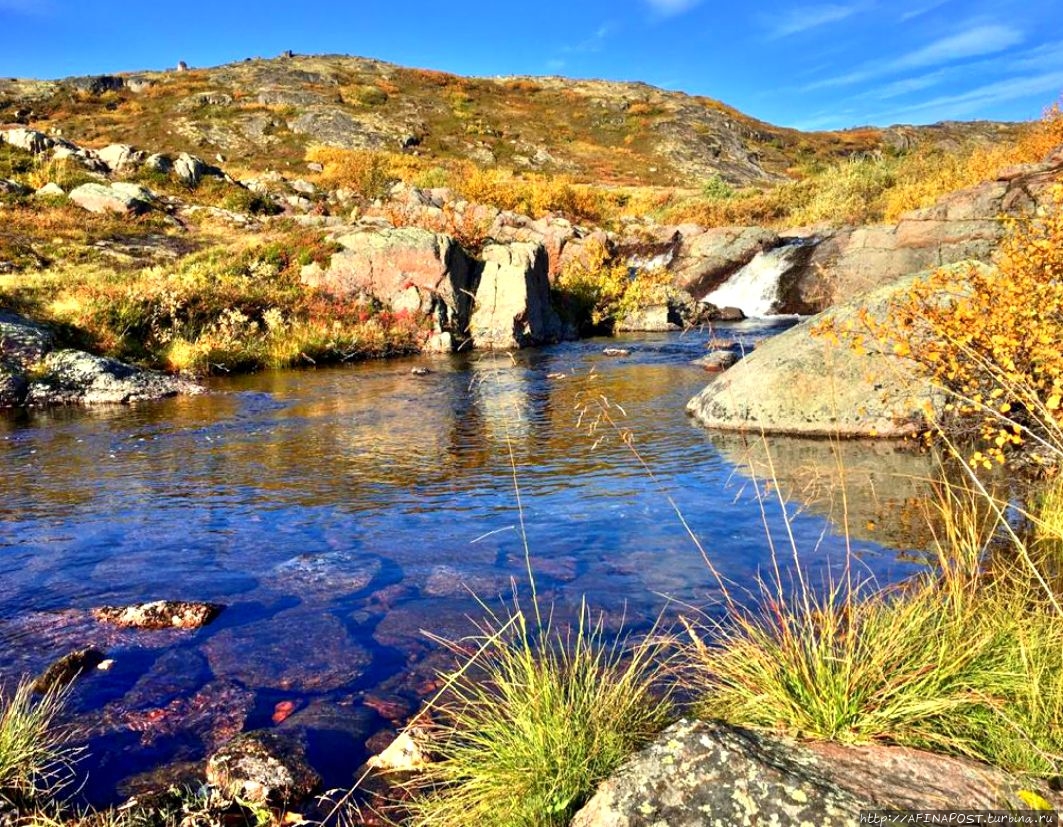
{"x":341,"y":512}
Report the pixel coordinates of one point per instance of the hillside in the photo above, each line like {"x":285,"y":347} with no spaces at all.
{"x":260,"y":114}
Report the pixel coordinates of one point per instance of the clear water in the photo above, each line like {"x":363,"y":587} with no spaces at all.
{"x":338,"y":513}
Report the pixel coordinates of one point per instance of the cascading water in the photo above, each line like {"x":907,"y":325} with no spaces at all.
{"x":755,"y":288}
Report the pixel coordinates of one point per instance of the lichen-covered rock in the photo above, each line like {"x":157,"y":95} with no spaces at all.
{"x":159,"y":614}
{"x":72,"y":377}
{"x":101,"y":198}
{"x":263,"y":768}
{"x":117,"y":156}
{"x":712,"y":773}
{"x":513,"y":299}
{"x":68,"y":668}
{"x":806,"y":385}
{"x":31,"y":140}
{"x":698,"y":774}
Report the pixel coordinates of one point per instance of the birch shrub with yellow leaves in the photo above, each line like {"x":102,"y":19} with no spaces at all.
{"x":991,"y":337}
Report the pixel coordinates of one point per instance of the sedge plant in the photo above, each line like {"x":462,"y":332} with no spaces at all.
{"x":35,"y":749}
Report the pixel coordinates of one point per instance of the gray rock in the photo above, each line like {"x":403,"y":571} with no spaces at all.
{"x":712,"y":773}
{"x":13,"y":386}
{"x":157,"y":162}
{"x":189,"y":168}
{"x":10,"y":187}
{"x":30,"y":140}
{"x":22,"y":341}
{"x":513,"y":299}
{"x":801,"y":384}
{"x":71,"y":377}
{"x":200,"y":99}
{"x":304,"y":187}
{"x":137,"y":192}
{"x":263,"y":768}
{"x":51,"y":190}
{"x":717,"y":361}
{"x":100,"y":198}
{"x":652,"y":319}
{"x":119,"y":156}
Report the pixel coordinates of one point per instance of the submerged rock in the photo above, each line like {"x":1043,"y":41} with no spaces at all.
{"x":68,"y":669}
{"x":263,"y":768}
{"x":159,"y":614}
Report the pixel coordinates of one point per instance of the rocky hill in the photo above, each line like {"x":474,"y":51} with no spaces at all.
{"x":265,"y":113}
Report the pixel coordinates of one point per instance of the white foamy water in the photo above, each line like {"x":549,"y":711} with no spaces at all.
{"x":755,"y":288}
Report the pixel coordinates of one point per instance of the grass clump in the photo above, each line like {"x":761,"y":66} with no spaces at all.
{"x":965,"y":660}
{"x":35,"y":754}
{"x":530,"y":724}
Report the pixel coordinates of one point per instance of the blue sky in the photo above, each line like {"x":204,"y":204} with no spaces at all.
{"x":816,"y":65}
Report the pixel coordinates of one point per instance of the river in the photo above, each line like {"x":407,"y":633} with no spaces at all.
{"x":340,"y":513}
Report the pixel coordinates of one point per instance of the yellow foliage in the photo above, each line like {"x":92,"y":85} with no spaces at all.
{"x":991,"y":337}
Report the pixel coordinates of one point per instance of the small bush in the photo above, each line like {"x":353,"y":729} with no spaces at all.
{"x":35,"y":754}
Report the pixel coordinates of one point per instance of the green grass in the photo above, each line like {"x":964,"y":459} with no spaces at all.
{"x":966,"y":659}
{"x":531,"y":723}
{"x":35,"y":754}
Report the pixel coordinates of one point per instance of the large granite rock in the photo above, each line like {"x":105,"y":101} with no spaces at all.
{"x":119,"y":156}
{"x":72,"y":377}
{"x":709,"y":773}
{"x":30,"y":140}
{"x":513,"y":299}
{"x":806,"y":385}
{"x":963,"y":225}
{"x":705,"y":259}
{"x":406,"y":269}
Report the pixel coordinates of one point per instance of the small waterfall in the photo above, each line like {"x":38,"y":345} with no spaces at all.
{"x":755,"y":288}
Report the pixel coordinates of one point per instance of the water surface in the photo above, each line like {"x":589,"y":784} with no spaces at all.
{"x":340,"y":512}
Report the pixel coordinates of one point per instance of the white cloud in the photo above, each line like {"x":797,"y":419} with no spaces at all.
{"x":980,"y":99}
{"x":925,"y":9}
{"x":975,"y":42}
{"x":670,"y":8}
{"x":804,"y":18}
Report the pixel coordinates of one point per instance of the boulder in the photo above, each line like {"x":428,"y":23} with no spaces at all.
{"x":963,"y":225}
{"x":157,"y":162}
{"x":100,"y":198}
{"x":513,"y":299}
{"x":699,"y":773}
{"x":801,"y":384}
{"x":705,"y":260}
{"x":51,"y":190}
{"x":137,"y":192}
{"x":653,"y":319}
{"x":159,"y":614}
{"x":72,"y":377}
{"x":717,"y":361}
{"x":31,"y":140}
{"x":118,"y":156}
{"x":189,"y":169}
{"x":403,"y":268}
{"x":9,"y":187}
{"x":263,"y":768}
{"x":68,"y":669}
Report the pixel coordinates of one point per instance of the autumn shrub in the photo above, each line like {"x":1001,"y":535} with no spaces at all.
{"x":925,"y":175}
{"x":989,"y":337}
{"x":596,"y":290}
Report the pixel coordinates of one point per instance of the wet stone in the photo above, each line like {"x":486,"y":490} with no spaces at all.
{"x":159,"y":614}
{"x":325,"y":576}
{"x":68,"y":669}
{"x":263,"y":768}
